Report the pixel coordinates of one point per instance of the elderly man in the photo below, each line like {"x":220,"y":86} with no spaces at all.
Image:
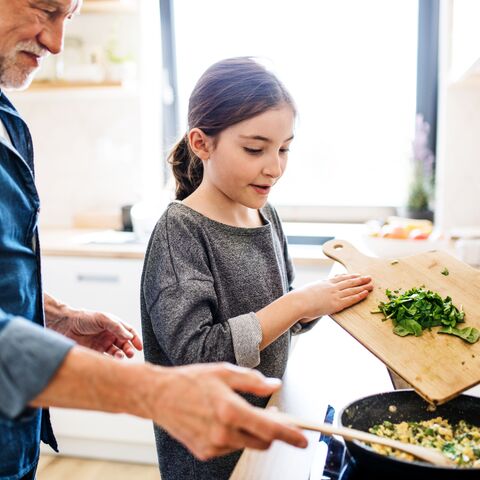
{"x":58,"y":366}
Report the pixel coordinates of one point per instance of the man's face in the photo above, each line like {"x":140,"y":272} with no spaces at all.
{"x":30,"y":30}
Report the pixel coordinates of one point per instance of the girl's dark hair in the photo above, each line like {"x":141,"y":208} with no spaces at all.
{"x":229,"y":92}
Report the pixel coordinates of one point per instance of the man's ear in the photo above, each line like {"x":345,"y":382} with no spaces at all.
{"x":200,"y":143}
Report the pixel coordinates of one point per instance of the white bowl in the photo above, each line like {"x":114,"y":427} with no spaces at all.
{"x":145,"y":216}
{"x":395,"y":247}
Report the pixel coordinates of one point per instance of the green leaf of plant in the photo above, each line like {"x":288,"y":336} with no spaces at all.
{"x":469,"y":334}
{"x":418,"y":309}
{"x":402,"y":331}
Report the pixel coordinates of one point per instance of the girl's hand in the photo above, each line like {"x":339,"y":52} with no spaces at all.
{"x":332,"y":295}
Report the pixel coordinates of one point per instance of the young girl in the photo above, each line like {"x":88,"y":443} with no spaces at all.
{"x":217,"y":278}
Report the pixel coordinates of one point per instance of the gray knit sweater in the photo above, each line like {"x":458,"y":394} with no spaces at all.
{"x":202,"y":281}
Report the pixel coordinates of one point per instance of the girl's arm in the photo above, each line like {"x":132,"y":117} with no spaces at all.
{"x":310,"y":302}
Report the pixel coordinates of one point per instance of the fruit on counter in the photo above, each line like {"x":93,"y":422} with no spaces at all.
{"x":401,"y":228}
{"x":393,"y":231}
{"x":418,"y":234}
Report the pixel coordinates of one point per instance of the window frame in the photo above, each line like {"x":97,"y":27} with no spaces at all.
{"x":426,"y":104}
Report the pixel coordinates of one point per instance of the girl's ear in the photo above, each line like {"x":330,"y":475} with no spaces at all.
{"x":200,"y":143}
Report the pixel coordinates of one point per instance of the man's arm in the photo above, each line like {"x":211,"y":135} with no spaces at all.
{"x":29,"y":357}
{"x":99,"y":331}
{"x":196,"y":404}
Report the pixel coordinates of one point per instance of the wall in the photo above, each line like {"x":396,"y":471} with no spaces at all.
{"x":87,"y":149}
{"x":98,"y":148}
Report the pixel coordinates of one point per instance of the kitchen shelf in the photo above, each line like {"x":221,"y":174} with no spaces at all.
{"x":61,"y":84}
{"x":49,"y":90}
{"x":109,"y":6}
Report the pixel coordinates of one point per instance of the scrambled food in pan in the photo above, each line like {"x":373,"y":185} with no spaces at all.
{"x":418,"y":309}
{"x":460,"y":443}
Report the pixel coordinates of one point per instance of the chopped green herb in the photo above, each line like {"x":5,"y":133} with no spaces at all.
{"x":394,"y":262}
{"x":469,"y":334}
{"x":418,"y":309}
{"x":445,"y":271}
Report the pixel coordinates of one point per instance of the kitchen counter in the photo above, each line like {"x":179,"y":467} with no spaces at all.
{"x":304,"y":243}
{"x":90,"y":243}
{"x":326,"y":367}
{"x":115,"y":244}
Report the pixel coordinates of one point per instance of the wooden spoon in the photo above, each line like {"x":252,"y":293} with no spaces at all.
{"x":429,"y":455}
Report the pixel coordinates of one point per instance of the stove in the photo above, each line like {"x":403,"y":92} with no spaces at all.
{"x":339,"y":465}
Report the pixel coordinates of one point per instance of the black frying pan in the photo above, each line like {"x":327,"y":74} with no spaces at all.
{"x":368,"y":411}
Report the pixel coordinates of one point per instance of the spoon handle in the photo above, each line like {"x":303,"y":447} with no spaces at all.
{"x":427,"y":454}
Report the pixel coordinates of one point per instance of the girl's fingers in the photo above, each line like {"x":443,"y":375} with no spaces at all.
{"x":348,"y":292}
{"x":352,"y":300}
{"x":354,"y":282}
{"x":343,"y":276}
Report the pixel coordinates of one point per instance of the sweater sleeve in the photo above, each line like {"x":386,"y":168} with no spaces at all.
{"x":181,"y":301}
{"x":29,"y":357}
{"x":182,"y":319}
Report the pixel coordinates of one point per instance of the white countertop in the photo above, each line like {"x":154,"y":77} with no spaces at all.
{"x":116,"y":244}
{"x":326,"y":367}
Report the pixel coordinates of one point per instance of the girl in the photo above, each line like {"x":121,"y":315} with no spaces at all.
{"x":217,"y":277}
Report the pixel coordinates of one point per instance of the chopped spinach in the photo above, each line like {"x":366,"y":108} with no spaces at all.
{"x":418,"y":309}
{"x":445,"y":271}
{"x":469,"y":334}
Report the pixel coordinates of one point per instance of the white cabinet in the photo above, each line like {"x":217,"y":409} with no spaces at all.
{"x":305,"y":273}
{"x":111,"y":285}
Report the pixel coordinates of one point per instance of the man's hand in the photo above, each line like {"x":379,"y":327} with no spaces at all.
{"x":198,"y":406}
{"x":102,"y":332}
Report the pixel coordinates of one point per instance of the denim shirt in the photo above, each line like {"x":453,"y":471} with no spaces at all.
{"x":20,"y":282}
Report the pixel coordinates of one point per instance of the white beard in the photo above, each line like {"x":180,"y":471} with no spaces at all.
{"x":16,"y":76}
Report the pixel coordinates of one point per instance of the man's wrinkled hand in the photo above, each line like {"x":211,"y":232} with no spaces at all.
{"x":199,"y":407}
{"x":102,"y":332}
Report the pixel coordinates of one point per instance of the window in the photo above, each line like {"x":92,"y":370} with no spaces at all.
{"x":351,"y":68}
{"x":465,"y":37}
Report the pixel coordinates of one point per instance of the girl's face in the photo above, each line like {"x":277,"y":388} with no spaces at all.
{"x":250,"y":157}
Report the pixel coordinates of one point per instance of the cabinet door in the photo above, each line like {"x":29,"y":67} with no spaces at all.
{"x":111,"y":285}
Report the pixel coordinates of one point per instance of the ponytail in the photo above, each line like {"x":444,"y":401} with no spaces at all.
{"x":187,"y":168}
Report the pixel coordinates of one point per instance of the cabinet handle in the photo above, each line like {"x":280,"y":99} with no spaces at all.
{"x":98,"y":278}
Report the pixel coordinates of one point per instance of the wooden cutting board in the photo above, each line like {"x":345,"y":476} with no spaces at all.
{"x":439,"y":367}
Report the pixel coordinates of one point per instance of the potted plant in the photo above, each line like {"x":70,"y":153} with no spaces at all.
{"x":420,"y":190}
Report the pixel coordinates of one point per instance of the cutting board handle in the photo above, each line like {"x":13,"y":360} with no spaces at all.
{"x":343,"y":252}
